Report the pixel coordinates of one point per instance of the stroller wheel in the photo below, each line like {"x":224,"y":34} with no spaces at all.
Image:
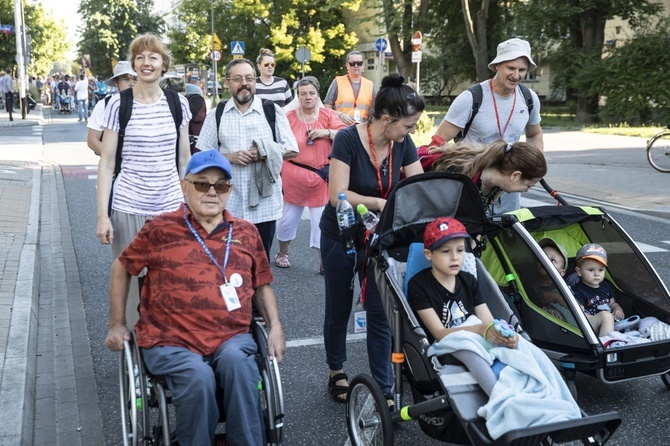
{"x":666,"y":379}
{"x":368,"y":417}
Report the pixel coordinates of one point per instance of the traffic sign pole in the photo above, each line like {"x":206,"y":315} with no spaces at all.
{"x":381,"y":44}
{"x":215,"y":90}
{"x":417,"y":39}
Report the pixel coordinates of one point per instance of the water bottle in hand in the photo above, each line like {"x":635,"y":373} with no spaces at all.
{"x":345,"y":220}
{"x":370,"y":220}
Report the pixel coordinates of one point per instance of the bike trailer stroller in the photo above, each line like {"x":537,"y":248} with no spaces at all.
{"x":446,"y":397}
{"x":555,"y":321}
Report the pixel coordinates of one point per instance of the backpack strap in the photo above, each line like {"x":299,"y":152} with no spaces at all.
{"x":525,"y":91}
{"x":125,"y":111}
{"x":477,"y":96}
{"x":175,"y":109}
{"x":268,"y":109}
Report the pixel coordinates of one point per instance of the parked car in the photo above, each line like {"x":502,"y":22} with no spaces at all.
{"x":210,"y":89}
{"x":173,"y":82}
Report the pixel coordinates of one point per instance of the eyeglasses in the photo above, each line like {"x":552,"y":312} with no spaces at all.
{"x":221,"y":187}
{"x":356,"y":63}
{"x":239,"y":79}
{"x":269,"y":64}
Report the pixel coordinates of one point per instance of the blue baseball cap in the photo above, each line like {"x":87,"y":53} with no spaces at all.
{"x":206,"y":159}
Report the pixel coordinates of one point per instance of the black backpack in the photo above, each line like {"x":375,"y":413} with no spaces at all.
{"x":477,"y":95}
{"x":270,"y":115}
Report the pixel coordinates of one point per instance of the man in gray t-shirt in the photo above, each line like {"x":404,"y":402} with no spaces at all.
{"x":503,"y":113}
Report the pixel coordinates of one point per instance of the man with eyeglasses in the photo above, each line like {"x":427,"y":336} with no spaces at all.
{"x":351,"y":95}
{"x":124,"y":77}
{"x":245,"y":138}
{"x":204,"y":269}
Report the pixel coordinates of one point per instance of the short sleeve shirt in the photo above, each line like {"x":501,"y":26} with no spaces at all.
{"x":348,"y":148}
{"x":425,"y":291}
{"x":594,"y":300}
{"x":484,"y":128}
{"x":181,"y":303}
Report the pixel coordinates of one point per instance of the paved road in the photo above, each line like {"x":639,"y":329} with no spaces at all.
{"x":313,"y":419}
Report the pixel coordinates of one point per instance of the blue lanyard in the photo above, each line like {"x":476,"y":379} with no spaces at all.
{"x":207,"y":251}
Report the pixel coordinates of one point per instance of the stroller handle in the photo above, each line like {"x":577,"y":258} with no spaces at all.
{"x":553,"y":193}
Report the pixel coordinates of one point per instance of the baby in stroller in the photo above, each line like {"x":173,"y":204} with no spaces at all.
{"x":448,"y":300}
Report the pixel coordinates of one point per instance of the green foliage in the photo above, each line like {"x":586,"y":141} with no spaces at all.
{"x":109,"y":28}
{"x":634,"y":78}
{"x":425,"y":128}
{"x":281,"y":26}
{"x":569,"y":36}
{"x":47,"y":38}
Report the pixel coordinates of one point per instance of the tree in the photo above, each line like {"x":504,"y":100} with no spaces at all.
{"x":642,"y":98}
{"x":47,"y":38}
{"x":282,"y":26}
{"x":572,"y":32}
{"x":109,"y":28}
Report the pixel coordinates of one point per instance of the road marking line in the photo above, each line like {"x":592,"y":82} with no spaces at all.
{"x":665,"y":241}
{"x":91,"y":167}
{"x":92,"y":177}
{"x":319,"y":341}
{"x":650,"y":248}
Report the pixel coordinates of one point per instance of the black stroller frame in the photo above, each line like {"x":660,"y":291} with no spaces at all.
{"x":450,"y":395}
{"x":573,"y":344}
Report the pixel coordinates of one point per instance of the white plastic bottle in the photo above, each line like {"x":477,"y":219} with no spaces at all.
{"x":370,"y":220}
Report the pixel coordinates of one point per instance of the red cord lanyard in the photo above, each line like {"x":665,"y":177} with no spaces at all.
{"x":377,"y":167}
{"x":354,"y":92}
{"x":495,"y":107}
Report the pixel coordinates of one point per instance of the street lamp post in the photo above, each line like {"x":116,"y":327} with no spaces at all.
{"x":215,"y":90}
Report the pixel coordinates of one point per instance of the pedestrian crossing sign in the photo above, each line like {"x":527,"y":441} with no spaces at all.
{"x":237,"y":47}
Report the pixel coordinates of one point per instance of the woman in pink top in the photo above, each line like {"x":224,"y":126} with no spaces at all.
{"x":314,"y":127}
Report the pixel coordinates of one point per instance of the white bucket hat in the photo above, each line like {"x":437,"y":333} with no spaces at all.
{"x":513,"y":49}
{"x":120,"y":69}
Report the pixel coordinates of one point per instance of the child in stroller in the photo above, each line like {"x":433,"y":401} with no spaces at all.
{"x":448,"y":300}
{"x":64,"y":102}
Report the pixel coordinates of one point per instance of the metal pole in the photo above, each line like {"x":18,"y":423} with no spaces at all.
{"x":380,"y":68}
{"x":418,"y":71}
{"x":20,"y":60}
{"x":215,"y":90}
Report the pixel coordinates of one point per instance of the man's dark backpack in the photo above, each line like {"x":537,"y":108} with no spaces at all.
{"x":477,"y":96}
{"x":268,"y":109}
{"x":125,"y":111}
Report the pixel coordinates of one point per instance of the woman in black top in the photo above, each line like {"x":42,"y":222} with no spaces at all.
{"x":365,"y":164}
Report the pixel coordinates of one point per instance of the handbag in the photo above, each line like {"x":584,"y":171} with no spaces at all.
{"x":322,"y":172}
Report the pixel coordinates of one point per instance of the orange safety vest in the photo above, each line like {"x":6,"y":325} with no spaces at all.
{"x":344,"y":103}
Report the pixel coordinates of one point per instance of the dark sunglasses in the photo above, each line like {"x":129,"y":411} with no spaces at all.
{"x":356,"y":63}
{"x":269,"y":64}
{"x":221,"y":187}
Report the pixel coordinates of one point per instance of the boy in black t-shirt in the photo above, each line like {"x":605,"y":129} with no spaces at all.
{"x":444,"y":298}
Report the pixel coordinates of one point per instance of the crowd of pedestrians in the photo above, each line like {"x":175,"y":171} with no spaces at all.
{"x":265,"y":156}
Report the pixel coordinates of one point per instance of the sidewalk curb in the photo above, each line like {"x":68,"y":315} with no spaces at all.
{"x":17,"y":390}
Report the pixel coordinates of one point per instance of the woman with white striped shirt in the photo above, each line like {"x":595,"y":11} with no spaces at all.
{"x":148,"y":183}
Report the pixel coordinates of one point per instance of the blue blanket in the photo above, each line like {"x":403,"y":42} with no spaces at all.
{"x":530,"y":391}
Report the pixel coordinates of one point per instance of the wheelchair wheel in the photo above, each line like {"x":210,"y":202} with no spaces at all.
{"x":368,"y":417}
{"x":270,"y":387}
{"x":658,"y":152}
{"x":133,"y":395}
{"x":666,"y":379}
{"x":160,"y":418}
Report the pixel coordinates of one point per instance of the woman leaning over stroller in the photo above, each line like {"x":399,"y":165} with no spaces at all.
{"x":365,"y":164}
{"x":496,"y":168}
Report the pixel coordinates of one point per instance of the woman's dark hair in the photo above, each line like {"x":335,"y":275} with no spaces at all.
{"x":396,"y":99}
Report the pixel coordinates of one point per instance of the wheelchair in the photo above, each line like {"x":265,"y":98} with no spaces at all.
{"x":145,"y":399}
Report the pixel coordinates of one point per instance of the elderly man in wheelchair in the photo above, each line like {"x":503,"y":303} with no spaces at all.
{"x":204,"y":269}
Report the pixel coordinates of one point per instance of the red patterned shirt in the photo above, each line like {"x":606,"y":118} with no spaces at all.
{"x":181,"y":303}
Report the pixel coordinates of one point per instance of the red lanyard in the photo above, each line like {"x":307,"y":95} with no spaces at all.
{"x":353,"y":90}
{"x":376,"y":163}
{"x":495,"y":107}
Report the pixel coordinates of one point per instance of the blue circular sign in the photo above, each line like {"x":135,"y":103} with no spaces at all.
{"x":381,"y":44}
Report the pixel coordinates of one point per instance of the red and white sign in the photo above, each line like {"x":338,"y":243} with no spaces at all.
{"x":417,"y":39}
